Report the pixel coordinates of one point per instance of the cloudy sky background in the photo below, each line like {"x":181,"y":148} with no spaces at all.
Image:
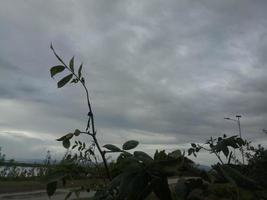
{"x":163,"y":72}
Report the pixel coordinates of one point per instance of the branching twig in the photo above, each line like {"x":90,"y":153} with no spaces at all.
{"x":90,"y":113}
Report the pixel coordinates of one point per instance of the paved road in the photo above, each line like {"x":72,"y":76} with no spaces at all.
{"x":59,"y":195}
{"x":41,"y":195}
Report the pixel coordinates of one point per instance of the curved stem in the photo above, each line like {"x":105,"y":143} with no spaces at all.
{"x":218,"y":156}
{"x":90,"y":114}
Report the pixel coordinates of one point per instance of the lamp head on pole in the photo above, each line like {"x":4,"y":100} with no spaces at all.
{"x":228,"y":118}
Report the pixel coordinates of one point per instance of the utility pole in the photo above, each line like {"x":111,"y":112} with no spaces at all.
{"x":240,"y":134}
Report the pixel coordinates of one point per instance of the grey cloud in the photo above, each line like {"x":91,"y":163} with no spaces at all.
{"x":172,"y":68}
{"x":18,"y":145}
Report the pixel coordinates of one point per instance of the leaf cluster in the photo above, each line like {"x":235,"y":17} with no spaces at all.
{"x":224,"y":145}
{"x":138,"y":174}
{"x":72,"y":76}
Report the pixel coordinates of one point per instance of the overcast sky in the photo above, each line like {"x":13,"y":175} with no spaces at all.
{"x":165,"y":73}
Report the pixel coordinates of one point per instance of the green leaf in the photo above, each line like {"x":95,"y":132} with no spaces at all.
{"x":129,"y":182}
{"x":80,"y":71}
{"x":160,"y":155}
{"x":71,"y":65}
{"x":232,"y":143}
{"x":138,"y":185}
{"x":61,"y":138}
{"x":68,"y":136}
{"x":161,"y":188}
{"x":142,"y":156}
{"x":77,"y":132}
{"x":56,"y":69}
{"x":75,"y":80}
{"x":116,"y":181}
{"x":193,"y":145}
{"x":82,"y":80}
{"x":240,"y":141}
{"x":125,"y":187}
{"x":175,"y":154}
{"x":123,"y":157}
{"x":112,"y":148}
{"x":190,"y":151}
{"x":66,"y":143}
{"x":225,"y":151}
{"x":64,"y":81}
{"x":131,"y":144}
{"x":51,"y":188}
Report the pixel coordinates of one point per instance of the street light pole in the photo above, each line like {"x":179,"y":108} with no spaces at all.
{"x":239,"y":126}
{"x":240,"y":135}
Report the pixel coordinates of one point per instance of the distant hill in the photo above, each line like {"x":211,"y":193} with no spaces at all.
{"x":37,"y":161}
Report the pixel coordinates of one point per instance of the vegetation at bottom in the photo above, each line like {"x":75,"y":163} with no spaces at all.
{"x":11,"y":170}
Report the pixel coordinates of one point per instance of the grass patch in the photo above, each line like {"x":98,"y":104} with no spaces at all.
{"x":25,"y":186}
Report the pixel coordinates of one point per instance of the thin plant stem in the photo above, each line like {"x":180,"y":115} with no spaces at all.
{"x":90,"y":115}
